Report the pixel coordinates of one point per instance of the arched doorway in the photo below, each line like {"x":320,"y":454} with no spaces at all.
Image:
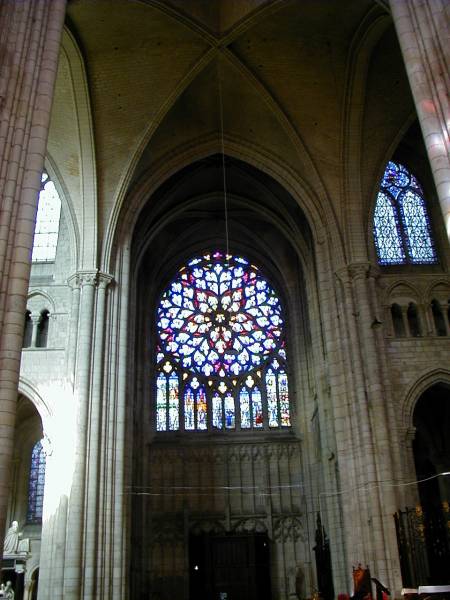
{"x":432,"y":458}
{"x":26,"y":501}
{"x":237,"y":481}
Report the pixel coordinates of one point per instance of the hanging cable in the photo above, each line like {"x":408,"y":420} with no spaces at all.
{"x":223,"y":161}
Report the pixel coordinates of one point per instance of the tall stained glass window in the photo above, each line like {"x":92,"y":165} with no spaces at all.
{"x":401,"y":225}
{"x":221,"y":357}
{"x":36,"y":484}
{"x":47,"y":222}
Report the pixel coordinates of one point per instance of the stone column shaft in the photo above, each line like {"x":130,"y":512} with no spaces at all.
{"x":30,"y":34}
{"x":74,"y":559}
{"x":71,"y":356}
{"x":122,"y":451}
{"x":422,"y":30}
{"x":383,"y":501}
{"x":94,"y":445}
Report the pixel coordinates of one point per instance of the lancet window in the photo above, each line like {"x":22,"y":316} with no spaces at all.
{"x":221,"y":353}
{"x":401,"y":227}
{"x":47,"y":222}
{"x":36,"y":484}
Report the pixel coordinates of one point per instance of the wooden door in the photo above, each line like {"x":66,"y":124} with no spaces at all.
{"x":229,"y":567}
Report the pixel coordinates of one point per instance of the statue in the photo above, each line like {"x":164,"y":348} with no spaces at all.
{"x":8,"y":592}
{"x":11,"y":539}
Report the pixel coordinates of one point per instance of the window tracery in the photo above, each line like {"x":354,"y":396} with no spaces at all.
{"x":221,"y":357}
{"x":401,"y":226}
{"x":36,"y":484}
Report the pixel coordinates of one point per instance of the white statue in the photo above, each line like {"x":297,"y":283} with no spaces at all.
{"x":8,"y":591}
{"x":11,"y":539}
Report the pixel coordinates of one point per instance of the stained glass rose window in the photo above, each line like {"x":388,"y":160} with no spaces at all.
{"x":221,"y":349}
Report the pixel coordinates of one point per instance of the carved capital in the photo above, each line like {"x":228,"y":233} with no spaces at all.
{"x":103,"y":280}
{"x":358,"y":271}
{"x":88,"y":278}
{"x":93,"y":278}
{"x":74,"y":281}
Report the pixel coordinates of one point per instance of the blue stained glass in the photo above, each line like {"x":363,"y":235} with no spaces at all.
{"x":36,"y":484}
{"x":219,"y":322}
{"x":244,"y":400}
{"x":418,"y":236}
{"x":387,"y":232}
{"x":402,"y":230}
{"x":224,"y":305}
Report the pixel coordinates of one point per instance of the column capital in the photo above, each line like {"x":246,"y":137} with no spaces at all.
{"x":104,"y":279}
{"x":89,"y":277}
{"x":357,"y":270}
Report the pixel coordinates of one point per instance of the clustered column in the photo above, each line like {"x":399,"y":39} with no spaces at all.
{"x":30,"y":39}
{"x":423,"y":36}
{"x":367,"y":507}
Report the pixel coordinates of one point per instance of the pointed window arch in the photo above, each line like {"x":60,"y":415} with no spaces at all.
{"x":47,"y":222}
{"x":221,"y":356}
{"x":401,"y":225}
{"x":36,"y":484}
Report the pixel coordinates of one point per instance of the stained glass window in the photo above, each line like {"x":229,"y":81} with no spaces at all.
{"x":401,"y":226}
{"x":221,"y":357}
{"x":36,"y":484}
{"x":47,"y":222}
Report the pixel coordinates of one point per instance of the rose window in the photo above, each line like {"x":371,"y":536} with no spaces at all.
{"x":221,"y":350}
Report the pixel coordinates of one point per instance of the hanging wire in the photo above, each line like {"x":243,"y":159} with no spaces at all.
{"x":268,"y":490}
{"x":225,"y":199}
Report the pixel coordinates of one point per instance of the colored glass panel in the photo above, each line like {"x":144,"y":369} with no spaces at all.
{"x":272,"y":401}
{"x":230,"y":421}
{"x":284,"y":399}
{"x":36,"y":484}
{"x":201,"y":409}
{"x":219,"y":314}
{"x":173,"y":402}
{"x":161,"y":403}
{"x":418,"y":238}
{"x":189,"y":409}
{"x":402,"y":230}
{"x":217,"y":411}
{"x":219,"y":323}
{"x":244,"y":400}
{"x":387,"y":233}
{"x":257,"y":410}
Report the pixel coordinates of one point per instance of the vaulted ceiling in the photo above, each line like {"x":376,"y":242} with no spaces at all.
{"x":317,"y":85}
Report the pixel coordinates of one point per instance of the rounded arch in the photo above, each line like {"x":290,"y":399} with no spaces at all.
{"x":33,"y":301}
{"x":440,"y":289}
{"x":319,"y":213}
{"x":28,"y":389}
{"x":402,"y":290}
{"x":425,"y":381}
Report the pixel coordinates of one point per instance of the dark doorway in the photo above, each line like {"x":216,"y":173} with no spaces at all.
{"x":229,"y":567}
{"x":432,"y":458}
